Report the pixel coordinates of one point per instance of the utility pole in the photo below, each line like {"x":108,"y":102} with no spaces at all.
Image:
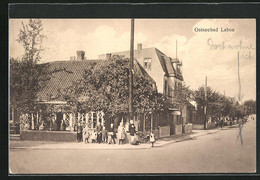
{"x":205,"y":107}
{"x":131,"y":71}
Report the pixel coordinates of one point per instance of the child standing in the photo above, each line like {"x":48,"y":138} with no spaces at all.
{"x":94,"y":136}
{"x":152,"y":139}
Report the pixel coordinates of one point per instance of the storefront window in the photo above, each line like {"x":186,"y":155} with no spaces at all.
{"x":100,"y":118}
{"x":94,"y":120}
{"x":89,"y":119}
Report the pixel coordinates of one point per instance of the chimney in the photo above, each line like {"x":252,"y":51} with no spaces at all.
{"x":80,"y":55}
{"x":139,"y":46}
{"x":108,"y":56}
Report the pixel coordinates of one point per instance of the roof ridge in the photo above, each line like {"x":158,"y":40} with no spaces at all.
{"x":71,"y":71}
{"x":127,"y":51}
{"x":160,"y":52}
{"x":66,"y":61}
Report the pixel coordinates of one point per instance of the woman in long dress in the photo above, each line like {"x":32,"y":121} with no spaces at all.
{"x":86,"y":134}
{"x":134,"y":140}
{"x":121,"y":133}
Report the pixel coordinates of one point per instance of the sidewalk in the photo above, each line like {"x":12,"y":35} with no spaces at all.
{"x":15,"y":142}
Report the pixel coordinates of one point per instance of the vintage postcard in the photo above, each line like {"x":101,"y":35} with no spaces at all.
{"x":132,"y":95}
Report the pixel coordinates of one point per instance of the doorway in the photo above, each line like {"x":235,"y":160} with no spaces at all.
{"x":58,"y":120}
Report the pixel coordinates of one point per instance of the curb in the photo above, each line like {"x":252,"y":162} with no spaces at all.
{"x":126,"y":148}
{"x":85,"y":149}
{"x":195,"y":136}
{"x":77,"y":148}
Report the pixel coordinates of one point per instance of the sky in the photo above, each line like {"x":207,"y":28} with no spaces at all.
{"x":211,"y":54}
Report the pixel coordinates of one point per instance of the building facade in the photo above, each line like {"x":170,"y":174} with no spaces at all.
{"x":64,"y":74}
{"x":167,"y":73}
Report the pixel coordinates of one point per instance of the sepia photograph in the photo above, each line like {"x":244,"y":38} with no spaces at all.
{"x":132,"y":95}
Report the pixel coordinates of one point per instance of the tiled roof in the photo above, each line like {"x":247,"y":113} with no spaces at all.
{"x":140,"y":68}
{"x":170,"y":69}
{"x":67,"y":72}
{"x":161,"y":57}
{"x":167,"y":65}
{"x":64,"y":73}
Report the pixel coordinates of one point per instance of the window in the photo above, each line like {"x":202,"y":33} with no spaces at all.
{"x":94,"y":119}
{"x":100,"y":117}
{"x":147,"y":63}
{"x":89,"y":119}
{"x":83,"y":117}
{"x":67,"y":119}
{"x":154,"y":87}
{"x":11,"y":114}
{"x":165,"y":87}
{"x":180,"y":69}
{"x":169,"y":91}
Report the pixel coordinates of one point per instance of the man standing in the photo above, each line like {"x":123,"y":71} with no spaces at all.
{"x":79,"y":132}
{"x":99,"y":133}
{"x":111,"y":134}
{"x":221,"y":123}
{"x":132,"y":128}
{"x":132,"y":133}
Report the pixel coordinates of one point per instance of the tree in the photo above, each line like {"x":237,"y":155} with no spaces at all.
{"x":250,"y":107}
{"x":199,"y":97}
{"x":238,"y":110}
{"x":31,"y":38}
{"x":105,"y":86}
{"x":218,"y":105}
{"x":182,"y":96}
{"x":26,"y":76}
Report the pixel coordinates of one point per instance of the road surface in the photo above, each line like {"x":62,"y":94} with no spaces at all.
{"x":213,"y":153}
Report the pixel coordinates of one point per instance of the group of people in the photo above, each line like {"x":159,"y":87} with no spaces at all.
{"x":101,"y":135}
{"x":238,"y":121}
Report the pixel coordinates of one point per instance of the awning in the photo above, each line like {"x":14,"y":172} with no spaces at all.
{"x":52,"y":102}
{"x":176,"y":113}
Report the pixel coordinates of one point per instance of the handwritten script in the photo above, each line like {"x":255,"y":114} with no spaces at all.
{"x":236,"y":46}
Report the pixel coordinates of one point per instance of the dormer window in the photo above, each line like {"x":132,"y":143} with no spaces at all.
{"x":180,"y":67}
{"x":147,"y":63}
